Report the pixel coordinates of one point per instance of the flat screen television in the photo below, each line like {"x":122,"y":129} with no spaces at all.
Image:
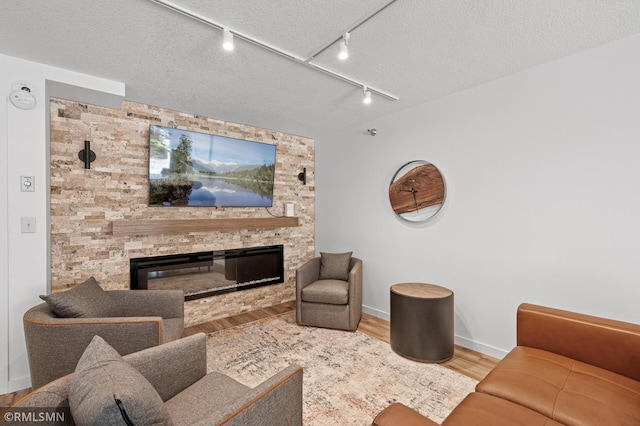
{"x":197,"y":169}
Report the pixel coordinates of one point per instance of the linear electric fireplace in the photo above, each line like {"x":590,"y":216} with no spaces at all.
{"x":209,"y":273}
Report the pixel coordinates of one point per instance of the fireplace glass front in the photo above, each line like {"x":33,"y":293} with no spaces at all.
{"x":209,"y":273}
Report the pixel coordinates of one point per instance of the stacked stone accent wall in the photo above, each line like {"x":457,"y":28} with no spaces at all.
{"x":85,"y":202}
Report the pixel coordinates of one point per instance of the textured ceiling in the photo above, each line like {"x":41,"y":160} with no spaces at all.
{"x":417,"y":50}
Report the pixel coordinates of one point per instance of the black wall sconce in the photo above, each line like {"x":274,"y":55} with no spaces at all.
{"x":86,"y":155}
{"x":302,"y":176}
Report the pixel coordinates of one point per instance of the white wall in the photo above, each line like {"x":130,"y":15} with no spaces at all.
{"x":543,"y":174}
{"x":4,"y":248}
{"x":24,"y":143}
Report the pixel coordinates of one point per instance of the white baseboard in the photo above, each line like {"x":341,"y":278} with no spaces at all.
{"x":376,"y":313}
{"x":18,"y":384}
{"x":480,"y":347}
{"x":461,"y":341}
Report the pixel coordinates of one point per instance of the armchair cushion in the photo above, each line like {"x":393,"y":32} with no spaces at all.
{"x":189,"y":406}
{"x":83,"y":301}
{"x":335,"y":266}
{"x":105,"y":389}
{"x":333,"y":292}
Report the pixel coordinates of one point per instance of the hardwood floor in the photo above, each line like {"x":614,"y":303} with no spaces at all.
{"x":9,"y":399}
{"x":240,"y":319}
{"x":464,"y":361}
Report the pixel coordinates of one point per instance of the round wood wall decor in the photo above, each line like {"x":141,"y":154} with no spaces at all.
{"x":417,"y":191}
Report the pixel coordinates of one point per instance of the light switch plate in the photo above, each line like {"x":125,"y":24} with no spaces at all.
{"x":28,"y":225}
{"x":27,"y":183}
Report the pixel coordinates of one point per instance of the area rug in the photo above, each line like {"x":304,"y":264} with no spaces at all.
{"x":348,"y":377}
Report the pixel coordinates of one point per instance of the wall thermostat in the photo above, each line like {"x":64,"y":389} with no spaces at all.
{"x":22,"y":95}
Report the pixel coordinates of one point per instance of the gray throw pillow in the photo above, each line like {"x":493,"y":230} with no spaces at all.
{"x":86,"y":300}
{"x":106,"y":390}
{"x":335,"y":266}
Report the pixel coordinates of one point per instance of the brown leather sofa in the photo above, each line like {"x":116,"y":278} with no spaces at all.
{"x":567,"y":369}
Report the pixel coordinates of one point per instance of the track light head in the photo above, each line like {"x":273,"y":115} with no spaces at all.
{"x":227,"y":40}
{"x":367,"y":96}
{"x":344,"y":47}
{"x":344,"y":51}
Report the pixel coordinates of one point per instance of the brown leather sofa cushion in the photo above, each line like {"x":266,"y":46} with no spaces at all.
{"x":565,"y":390}
{"x":398,"y":414}
{"x":479,"y":409}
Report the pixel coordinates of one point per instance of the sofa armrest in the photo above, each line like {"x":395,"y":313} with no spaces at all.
{"x":307,"y":273}
{"x":276,"y":401}
{"x":605,"y":343}
{"x":173,"y":366}
{"x":147,"y":303}
{"x":355,"y":292}
{"x":51,"y":399}
{"x":355,"y":275}
{"x":54,"y":345}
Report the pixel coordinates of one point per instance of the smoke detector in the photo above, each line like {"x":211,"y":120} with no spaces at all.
{"x":22,"y":95}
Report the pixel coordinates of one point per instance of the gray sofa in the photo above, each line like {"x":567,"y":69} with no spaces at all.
{"x":178,"y":372}
{"x":128,"y":320}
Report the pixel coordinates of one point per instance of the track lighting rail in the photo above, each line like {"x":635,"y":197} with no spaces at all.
{"x":355,"y":26}
{"x":302,"y":61}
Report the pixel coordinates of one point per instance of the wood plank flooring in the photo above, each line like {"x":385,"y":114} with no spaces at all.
{"x":9,"y":399}
{"x":240,"y":319}
{"x":465,"y":361}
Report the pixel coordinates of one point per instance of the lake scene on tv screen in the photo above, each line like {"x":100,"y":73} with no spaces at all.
{"x":189,"y":168}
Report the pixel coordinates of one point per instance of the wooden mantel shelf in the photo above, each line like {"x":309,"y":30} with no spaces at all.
{"x":184,"y":226}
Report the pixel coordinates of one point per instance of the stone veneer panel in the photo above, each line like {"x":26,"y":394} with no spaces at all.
{"x":84,"y":202}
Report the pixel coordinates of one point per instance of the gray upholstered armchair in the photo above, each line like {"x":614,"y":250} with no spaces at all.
{"x":170,"y":385}
{"x":129,"y":320}
{"x":329,"y":292}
